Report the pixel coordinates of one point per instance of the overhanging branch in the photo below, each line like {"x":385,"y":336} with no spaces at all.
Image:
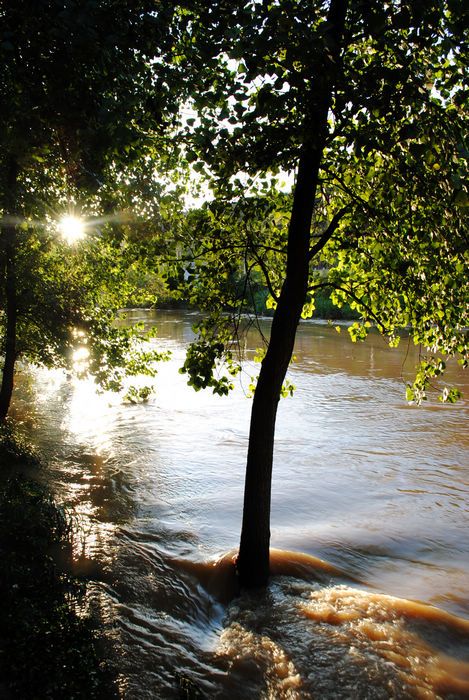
{"x":357,"y":299}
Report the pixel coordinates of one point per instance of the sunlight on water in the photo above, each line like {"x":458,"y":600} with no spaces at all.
{"x":80,"y":360}
{"x":91,"y":416}
{"x":373,"y":492}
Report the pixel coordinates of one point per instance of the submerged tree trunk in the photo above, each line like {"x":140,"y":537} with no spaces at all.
{"x":253,"y":558}
{"x":8,"y":234}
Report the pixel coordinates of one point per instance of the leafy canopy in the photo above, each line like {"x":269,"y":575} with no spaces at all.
{"x":390,"y":223}
{"x":85,"y":104}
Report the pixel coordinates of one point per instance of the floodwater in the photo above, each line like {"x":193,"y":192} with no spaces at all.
{"x":369,"y":596}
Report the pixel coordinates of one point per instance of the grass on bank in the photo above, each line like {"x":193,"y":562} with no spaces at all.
{"x":47,"y":648}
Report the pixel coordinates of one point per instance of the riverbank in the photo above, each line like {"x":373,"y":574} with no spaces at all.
{"x":48,"y":647}
{"x":324,"y":309}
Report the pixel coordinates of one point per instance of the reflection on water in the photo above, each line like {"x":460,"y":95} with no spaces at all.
{"x":377,"y":489}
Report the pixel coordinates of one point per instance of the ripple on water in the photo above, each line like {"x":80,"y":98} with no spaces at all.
{"x":308,"y":635}
{"x":376,"y":487}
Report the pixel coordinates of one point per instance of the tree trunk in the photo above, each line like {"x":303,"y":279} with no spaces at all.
{"x":253,"y":558}
{"x":8,"y":234}
{"x":6,"y":389}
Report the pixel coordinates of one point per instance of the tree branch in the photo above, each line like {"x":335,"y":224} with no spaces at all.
{"x":265,"y":272}
{"x":328,"y":233}
{"x":358,"y":300}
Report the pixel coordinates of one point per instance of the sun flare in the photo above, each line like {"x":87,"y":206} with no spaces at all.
{"x":72,"y":228}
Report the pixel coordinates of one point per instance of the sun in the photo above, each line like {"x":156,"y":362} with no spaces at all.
{"x":72,"y":228}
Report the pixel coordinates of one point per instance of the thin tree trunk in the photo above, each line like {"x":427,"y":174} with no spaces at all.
{"x":6,"y":389}
{"x":253,"y":558}
{"x":11,"y":310}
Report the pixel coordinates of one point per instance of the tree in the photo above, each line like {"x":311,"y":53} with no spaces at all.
{"x":81,"y":101}
{"x":367,"y":102}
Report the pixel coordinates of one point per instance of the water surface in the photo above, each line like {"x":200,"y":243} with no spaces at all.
{"x":371,"y":491}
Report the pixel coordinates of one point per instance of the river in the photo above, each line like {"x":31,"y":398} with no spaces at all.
{"x":370,"y":508}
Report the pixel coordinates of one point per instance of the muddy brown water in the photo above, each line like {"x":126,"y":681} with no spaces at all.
{"x":369,"y":596}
